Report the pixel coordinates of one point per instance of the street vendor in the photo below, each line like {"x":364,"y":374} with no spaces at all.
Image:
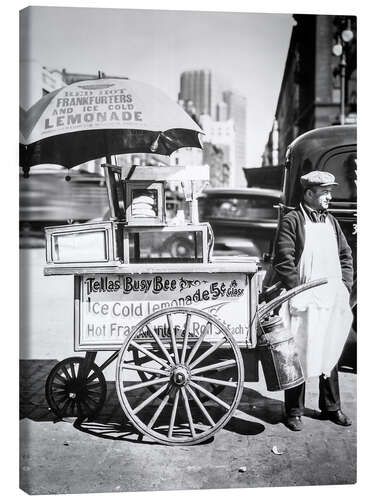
{"x":311,"y":245}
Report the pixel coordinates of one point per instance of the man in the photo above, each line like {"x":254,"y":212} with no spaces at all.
{"x":311,"y":245}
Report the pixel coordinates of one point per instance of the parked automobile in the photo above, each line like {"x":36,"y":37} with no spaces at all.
{"x":243,"y":220}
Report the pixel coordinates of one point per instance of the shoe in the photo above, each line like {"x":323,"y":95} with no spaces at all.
{"x":294,"y":423}
{"x":337,"y":417}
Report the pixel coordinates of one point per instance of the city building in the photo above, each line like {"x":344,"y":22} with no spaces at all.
{"x":219,"y":144}
{"x":217,"y":158}
{"x":317,"y":84}
{"x":236,"y":107}
{"x":36,"y":81}
{"x":200,"y":87}
{"x":222,"y":115}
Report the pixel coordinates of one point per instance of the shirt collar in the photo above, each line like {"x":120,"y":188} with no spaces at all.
{"x":315,"y":215}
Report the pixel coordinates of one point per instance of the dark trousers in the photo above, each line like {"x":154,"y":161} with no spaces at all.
{"x":329,"y":395}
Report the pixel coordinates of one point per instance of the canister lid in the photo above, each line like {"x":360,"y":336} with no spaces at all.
{"x":269,"y":323}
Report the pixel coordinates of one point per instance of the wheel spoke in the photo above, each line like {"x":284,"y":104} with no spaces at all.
{"x":173,"y":338}
{"x":94,"y":385}
{"x":59,"y":399}
{"x":66,"y":373}
{"x":211,"y":396}
{"x":91,"y":397}
{"x":58,"y":383}
{"x":58,"y":387}
{"x":143,"y":369}
{"x":74,"y":403}
{"x":198,"y":343}
{"x":161,"y":345}
{"x":92,"y":377}
{"x":146,"y":384}
{"x":173,"y":415}
{"x":188,"y":412}
{"x":149,"y":399}
{"x":59,"y":394}
{"x":74,"y":375}
{"x":80,"y":409}
{"x":216,"y":366}
{"x":187,"y":328}
{"x":215,"y":381}
{"x":66,"y":405}
{"x":208,"y":352}
{"x":200,"y":405}
{"x":149,"y":354}
{"x":62,"y":379}
{"x":86,"y":404}
{"x":158,"y":411}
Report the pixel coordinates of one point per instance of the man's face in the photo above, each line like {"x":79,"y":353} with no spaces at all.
{"x":319,"y":197}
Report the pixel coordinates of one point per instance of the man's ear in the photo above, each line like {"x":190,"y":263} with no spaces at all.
{"x":307,"y":194}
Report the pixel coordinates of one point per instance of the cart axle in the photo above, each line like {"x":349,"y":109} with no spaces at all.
{"x":180,"y":376}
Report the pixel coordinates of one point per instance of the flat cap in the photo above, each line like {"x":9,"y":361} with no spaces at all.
{"x":317,"y":178}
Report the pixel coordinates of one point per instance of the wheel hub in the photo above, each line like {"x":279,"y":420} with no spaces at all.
{"x":180,"y":375}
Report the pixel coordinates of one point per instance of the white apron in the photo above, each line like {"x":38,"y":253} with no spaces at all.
{"x":320,"y":318}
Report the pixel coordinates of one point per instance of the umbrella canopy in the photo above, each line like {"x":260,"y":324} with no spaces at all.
{"x":97,"y":118}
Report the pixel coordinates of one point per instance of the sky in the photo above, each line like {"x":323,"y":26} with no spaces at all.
{"x":246,"y":51}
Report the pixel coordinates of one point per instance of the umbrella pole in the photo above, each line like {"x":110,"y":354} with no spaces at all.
{"x":111,"y":189}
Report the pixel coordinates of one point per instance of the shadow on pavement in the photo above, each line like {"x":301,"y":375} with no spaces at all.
{"x":267,"y":409}
{"x":111,"y":422}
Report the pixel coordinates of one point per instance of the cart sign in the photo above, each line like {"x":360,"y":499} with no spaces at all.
{"x":108,"y":307}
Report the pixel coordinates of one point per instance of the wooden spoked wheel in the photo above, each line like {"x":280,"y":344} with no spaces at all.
{"x":195,"y":353}
{"x":75,"y":388}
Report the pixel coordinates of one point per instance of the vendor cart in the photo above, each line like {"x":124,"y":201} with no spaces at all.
{"x":177,"y":326}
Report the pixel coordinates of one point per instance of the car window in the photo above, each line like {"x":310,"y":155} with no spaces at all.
{"x":237,"y":208}
{"x":344,"y":167}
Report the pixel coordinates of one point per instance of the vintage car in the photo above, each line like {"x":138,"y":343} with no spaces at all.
{"x":332,"y":149}
{"x":243,"y":220}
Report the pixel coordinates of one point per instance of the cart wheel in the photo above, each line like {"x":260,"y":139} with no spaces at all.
{"x":181,"y":374}
{"x":72,"y":393}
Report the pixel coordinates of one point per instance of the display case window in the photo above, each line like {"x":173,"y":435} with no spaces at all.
{"x":90,"y":246}
{"x":156,"y":246}
{"x":144,"y":203}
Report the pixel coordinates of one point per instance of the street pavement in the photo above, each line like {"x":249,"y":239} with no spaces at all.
{"x":106,"y":454}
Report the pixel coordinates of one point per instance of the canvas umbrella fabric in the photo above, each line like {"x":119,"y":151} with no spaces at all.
{"x":96,"y":118}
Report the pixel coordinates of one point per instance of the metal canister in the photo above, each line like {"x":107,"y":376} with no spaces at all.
{"x":278,"y":355}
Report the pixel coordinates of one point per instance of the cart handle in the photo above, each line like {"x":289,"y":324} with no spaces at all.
{"x":266,"y":309}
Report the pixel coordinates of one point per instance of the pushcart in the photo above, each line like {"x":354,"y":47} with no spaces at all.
{"x":178,"y":327}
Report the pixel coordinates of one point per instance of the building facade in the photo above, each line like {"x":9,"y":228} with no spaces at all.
{"x":200,"y":87}
{"x":311,"y":90}
{"x":219,"y":150}
{"x":222,"y":115}
{"x":236,"y":111}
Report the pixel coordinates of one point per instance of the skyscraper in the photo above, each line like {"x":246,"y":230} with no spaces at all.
{"x":237,"y":112}
{"x":198,"y":86}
